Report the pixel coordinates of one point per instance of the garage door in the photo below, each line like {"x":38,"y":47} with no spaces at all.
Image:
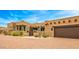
{"x":67,"y":31}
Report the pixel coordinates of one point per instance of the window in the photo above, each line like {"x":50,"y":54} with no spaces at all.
{"x":35,"y":28}
{"x":69,"y":21}
{"x":42,"y":28}
{"x":38,"y":27}
{"x":19,"y":28}
{"x":34,"y":31}
{"x":63,"y":21}
{"x":59,"y":22}
{"x":75,"y":20}
{"x":24,"y":28}
{"x":54,"y":22}
{"x":51,"y":29}
{"x":50,"y":23}
{"x":46,"y":24}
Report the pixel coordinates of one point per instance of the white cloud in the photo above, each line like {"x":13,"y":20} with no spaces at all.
{"x":68,"y":12}
{"x":64,"y":13}
{"x":40,"y":21}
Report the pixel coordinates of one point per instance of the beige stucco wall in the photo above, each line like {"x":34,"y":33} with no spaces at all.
{"x":63,"y":22}
{"x":48,"y":24}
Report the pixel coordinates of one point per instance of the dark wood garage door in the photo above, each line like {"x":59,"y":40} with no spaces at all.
{"x":67,"y":31}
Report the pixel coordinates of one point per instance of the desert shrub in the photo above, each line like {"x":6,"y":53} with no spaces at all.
{"x":45,"y":35}
{"x":36,"y":35}
{"x":16,"y":33}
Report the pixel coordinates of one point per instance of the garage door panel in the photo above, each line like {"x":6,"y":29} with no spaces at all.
{"x":68,"y":31}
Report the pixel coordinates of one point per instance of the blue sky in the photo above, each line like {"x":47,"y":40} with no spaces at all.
{"x":33,"y":16}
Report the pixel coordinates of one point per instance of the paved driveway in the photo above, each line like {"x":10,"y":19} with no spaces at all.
{"x":39,"y":43}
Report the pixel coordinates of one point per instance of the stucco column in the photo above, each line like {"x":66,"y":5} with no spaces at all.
{"x":22,"y":28}
{"x":53,"y":31}
{"x":16,"y":28}
{"x":19,"y":28}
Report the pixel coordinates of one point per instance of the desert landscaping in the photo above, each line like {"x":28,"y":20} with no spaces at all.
{"x":14,"y":42}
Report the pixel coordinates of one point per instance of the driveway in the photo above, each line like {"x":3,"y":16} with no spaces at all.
{"x":13,"y":42}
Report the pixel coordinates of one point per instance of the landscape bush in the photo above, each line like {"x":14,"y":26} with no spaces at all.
{"x":16,"y":33}
{"x":36,"y":35}
{"x":45,"y":35}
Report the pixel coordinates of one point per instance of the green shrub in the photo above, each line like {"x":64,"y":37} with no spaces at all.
{"x":16,"y":33}
{"x":41,"y":34}
{"x":36,"y":35}
{"x":45,"y":35}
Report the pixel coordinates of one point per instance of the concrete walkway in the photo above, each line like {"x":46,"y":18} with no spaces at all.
{"x":37,"y":43}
